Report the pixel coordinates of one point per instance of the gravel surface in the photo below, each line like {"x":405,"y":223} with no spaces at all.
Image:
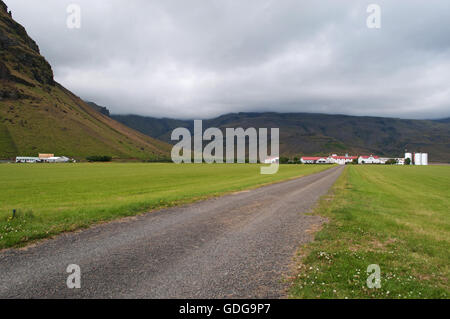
{"x":236,"y":246}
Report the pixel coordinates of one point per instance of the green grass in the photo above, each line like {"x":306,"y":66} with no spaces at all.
{"x":6,"y":143}
{"x":51,"y":199}
{"x":396,"y":217}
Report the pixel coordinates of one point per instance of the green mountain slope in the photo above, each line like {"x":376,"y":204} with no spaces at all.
{"x":37,"y":115}
{"x":322,"y":134}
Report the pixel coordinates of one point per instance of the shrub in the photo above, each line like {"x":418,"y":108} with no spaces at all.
{"x":99,"y":158}
{"x":391,"y":161}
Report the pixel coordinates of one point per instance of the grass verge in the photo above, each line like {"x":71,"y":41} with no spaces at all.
{"x":395,"y":217}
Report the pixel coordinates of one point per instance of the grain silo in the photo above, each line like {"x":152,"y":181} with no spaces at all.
{"x":424,"y":160}
{"x":417,"y":158}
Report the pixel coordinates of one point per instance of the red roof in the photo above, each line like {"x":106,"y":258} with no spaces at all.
{"x":370,"y":156}
{"x":344,"y":157}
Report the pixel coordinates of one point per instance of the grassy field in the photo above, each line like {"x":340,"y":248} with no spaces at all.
{"x":53,"y":198}
{"x":395,"y":217}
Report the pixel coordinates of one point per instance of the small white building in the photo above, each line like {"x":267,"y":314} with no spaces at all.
{"x":341,"y":160}
{"x":57,"y":159}
{"x":322,"y":160}
{"x":399,"y":161}
{"x":314,"y":160}
{"x":369,"y":160}
{"x":26,"y":159}
{"x":332,"y":159}
{"x":272,"y":160}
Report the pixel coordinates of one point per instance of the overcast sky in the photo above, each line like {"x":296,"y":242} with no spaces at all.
{"x":203,"y":58}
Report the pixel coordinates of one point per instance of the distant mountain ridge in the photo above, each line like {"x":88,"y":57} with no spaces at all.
{"x":322,"y":134}
{"x":38,"y":115}
{"x":446,"y":120}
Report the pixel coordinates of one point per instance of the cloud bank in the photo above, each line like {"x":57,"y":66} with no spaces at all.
{"x":203,"y":58}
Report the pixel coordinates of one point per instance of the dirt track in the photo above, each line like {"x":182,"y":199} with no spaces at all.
{"x":238,"y":245}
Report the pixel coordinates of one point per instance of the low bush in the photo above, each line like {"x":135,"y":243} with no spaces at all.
{"x":99,"y":158}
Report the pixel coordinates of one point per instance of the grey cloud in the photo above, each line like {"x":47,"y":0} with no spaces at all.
{"x":202,"y":58}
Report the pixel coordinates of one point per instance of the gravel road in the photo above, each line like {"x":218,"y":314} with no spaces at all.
{"x":236,"y":246}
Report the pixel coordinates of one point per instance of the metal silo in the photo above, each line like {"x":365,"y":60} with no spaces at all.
{"x":417,"y":158}
{"x":424,"y":159}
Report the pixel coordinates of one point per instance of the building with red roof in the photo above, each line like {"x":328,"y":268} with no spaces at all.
{"x":332,"y":159}
{"x":342,"y":160}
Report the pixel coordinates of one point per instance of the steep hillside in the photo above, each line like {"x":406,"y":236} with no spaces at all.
{"x":322,"y":134}
{"x":37,"y":115}
{"x":99,"y":108}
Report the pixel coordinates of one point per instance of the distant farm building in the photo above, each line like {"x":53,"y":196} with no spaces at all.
{"x":43,"y":158}
{"x":369,"y":160}
{"x":25,"y":159}
{"x":342,"y":160}
{"x":417,"y":158}
{"x":312,"y":159}
{"x":333,"y":159}
{"x":53,"y":159}
{"x":399,"y":161}
{"x":272,"y":160}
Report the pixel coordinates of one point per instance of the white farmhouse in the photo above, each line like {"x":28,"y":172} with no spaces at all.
{"x":369,"y":160}
{"x":341,"y":160}
{"x":314,"y":160}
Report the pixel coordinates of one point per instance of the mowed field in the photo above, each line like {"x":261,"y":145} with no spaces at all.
{"x":54,"y":198}
{"x":397,"y":217}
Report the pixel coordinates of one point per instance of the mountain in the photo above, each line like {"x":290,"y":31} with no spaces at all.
{"x":38,"y":115}
{"x":101,"y":109}
{"x":322,"y":134}
{"x":446,"y":120}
